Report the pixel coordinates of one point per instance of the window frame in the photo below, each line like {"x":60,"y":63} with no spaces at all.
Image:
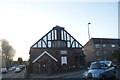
{"x":63,"y":60}
{"x":97,"y":45}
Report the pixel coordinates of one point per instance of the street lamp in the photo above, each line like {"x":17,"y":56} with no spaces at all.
{"x":89,"y":40}
{"x":88,"y":31}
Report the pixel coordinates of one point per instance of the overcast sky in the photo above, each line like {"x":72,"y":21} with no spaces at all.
{"x":22,"y":23}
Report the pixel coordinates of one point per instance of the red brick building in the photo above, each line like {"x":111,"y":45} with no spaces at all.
{"x":100,"y":49}
{"x":57,"y":51}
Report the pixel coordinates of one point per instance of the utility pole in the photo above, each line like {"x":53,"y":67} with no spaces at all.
{"x":88,"y":31}
{"x":89,"y":39}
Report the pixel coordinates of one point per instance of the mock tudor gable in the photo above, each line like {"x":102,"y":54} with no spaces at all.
{"x":56,"y":38}
{"x":55,"y":52}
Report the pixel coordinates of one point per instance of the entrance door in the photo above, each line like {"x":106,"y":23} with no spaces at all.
{"x":42,"y":67}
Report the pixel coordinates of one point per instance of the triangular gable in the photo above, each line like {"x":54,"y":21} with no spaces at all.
{"x":45,"y":52}
{"x":56,"y":36}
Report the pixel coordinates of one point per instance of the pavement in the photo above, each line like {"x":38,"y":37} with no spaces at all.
{"x":66,"y":74}
{"x":60,"y":75}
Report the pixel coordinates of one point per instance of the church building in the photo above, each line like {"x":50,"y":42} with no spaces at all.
{"x":57,"y":51}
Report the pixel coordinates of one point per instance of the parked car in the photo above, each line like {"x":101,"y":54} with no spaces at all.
{"x":115,"y":66}
{"x":14,"y":67}
{"x":101,"y":70}
{"x":21,"y":66}
{"x":4,"y":70}
{"x":10,"y":69}
{"x":17,"y":70}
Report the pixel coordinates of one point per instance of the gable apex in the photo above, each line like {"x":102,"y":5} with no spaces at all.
{"x":58,"y":28}
{"x":45,"y":52}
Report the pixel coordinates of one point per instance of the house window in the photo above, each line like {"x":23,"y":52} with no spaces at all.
{"x":39,"y":44}
{"x":104,"y":45}
{"x":58,"y":44}
{"x":97,"y":45}
{"x":55,"y":34}
{"x":63,"y":60}
{"x":68,"y":44}
{"x":98,"y":53}
{"x":49,"y":36}
{"x":112,"y":45}
{"x":49,"y":44}
{"x":104,"y":52}
{"x":35,"y":46}
{"x":43,"y":44}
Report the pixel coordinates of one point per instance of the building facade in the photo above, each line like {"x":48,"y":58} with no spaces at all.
{"x":57,"y":51}
{"x":100,"y":49}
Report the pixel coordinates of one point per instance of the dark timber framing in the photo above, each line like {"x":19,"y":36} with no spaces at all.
{"x":61,"y":35}
{"x":57,"y":51}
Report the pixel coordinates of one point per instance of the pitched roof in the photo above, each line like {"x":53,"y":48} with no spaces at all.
{"x":57,"y":34}
{"x":104,"y":41}
{"x":45,"y":52}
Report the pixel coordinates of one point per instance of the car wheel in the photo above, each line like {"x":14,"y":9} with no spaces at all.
{"x":113,"y":78}
{"x":103,"y":78}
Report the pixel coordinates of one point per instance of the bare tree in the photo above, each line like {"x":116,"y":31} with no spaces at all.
{"x":7,"y":53}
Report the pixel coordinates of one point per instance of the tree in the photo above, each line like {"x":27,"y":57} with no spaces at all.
{"x":116,"y":54}
{"x":7,"y":53}
{"x":20,"y":60}
{"x":7,"y":49}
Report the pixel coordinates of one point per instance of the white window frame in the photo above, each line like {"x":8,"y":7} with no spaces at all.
{"x":63,"y":60}
{"x":97,"y":45}
{"x":113,"y":45}
{"x":98,"y":53}
{"x":104,"y":45}
{"x":105,"y":52}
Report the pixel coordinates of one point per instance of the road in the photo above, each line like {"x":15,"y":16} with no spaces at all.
{"x":12,"y":74}
{"x":118,"y":73}
{"x":81,"y":75}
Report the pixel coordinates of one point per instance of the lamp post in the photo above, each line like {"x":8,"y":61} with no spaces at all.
{"x":89,"y":40}
{"x":88,"y":31}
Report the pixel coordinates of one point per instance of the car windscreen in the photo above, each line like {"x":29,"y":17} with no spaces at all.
{"x":97,"y":66}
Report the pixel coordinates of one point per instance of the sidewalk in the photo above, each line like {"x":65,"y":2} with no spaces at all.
{"x":61,"y":75}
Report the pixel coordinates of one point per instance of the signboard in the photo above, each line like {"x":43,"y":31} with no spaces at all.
{"x":63,"y":52}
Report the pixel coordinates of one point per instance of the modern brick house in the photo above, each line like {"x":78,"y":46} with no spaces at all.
{"x":100,"y":48}
{"x":57,"y":51}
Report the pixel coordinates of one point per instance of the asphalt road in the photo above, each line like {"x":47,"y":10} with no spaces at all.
{"x":81,"y":75}
{"x":12,"y":74}
{"x":118,"y":73}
